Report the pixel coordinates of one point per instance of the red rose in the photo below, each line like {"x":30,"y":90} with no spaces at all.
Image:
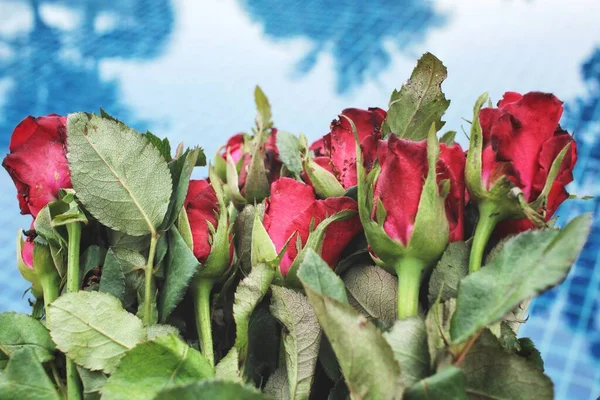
{"x":521,"y":140}
{"x":202,"y":208}
{"x":404,"y":168}
{"x":293,"y":207}
{"x":37,"y":161}
{"x":336,"y":151}
{"x":235,"y":147}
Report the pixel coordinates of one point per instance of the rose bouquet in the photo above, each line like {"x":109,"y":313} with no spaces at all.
{"x":380,"y":262}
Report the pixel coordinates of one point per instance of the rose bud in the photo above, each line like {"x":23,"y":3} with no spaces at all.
{"x":411,"y":205}
{"x":336,"y":152}
{"x":236,"y":147}
{"x":518,"y":165}
{"x":212,"y":245}
{"x":36,"y":265}
{"x":37,"y":161}
{"x":251,"y":167}
{"x":295,"y":220}
{"x":206,"y":222}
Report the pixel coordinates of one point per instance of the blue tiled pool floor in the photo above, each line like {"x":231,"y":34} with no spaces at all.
{"x":186,"y":69}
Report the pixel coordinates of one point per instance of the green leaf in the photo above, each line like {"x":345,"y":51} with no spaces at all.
{"x":228,"y":369}
{"x":181,"y":172}
{"x":181,"y":267}
{"x":289,"y":152}
{"x":528,"y":264}
{"x":452,"y":267}
{"x":263,"y":332}
{"x":420,"y":102}
{"x":262,"y":247}
{"x":437,"y":324}
{"x":257,"y":186}
{"x":493,"y":373}
{"x":248,"y":294}
{"x":324,"y":182}
{"x":210,"y":390}
{"x":18,"y":331}
{"x":243,"y":229}
{"x":530,"y":353}
{"x":408,"y":340}
{"x":25,"y":379}
{"x":113,"y":278}
{"x":3,"y":361}
{"x":153,"y":366}
{"x":316,"y":274}
{"x":119,"y":177}
{"x":92,"y":381}
{"x":263,"y":119}
{"x":448,"y":383}
{"x":373,"y":290}
{"x":301,"y":338}
{"x":158,"y":330}
{"x":277,"y":386}
{"x":162,"y":145}
{"x":448,"y":138}
{"x":92,"y":258}
{"x":473,"y":166}
{"x":93,"y":329}
{"x":365,"y":358}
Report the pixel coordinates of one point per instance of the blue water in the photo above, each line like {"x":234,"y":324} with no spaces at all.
{"x":187,"y":70}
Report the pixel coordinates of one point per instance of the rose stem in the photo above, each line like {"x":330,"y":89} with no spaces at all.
{"x":203,"y":288}
{"x":49,"y":283}
{"x":74,"y":233}
{"x":409,"y":272}
{"x":488,"y":218}
{"x":148,"y":281}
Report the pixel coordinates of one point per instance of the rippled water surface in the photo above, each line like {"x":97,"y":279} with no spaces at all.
{"x":187,"y":70}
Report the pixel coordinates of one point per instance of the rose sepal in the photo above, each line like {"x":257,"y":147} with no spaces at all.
{"x":218,"y":261}
{"x":27,"y":272}
{"x":324,"y":182}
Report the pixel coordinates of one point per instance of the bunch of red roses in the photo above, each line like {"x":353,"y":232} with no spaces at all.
{"x":285,"y":241}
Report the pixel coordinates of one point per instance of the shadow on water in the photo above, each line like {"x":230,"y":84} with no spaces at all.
{"x":355,"y":36}
{"x":54,"y":67}
{"x":582,"y":309}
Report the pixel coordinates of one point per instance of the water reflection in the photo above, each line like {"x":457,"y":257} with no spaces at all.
{"x":54,"y":66}
{"x":356,"y":36}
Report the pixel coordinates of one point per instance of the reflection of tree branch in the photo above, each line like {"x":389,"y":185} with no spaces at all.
{"x":53,"y":70}
{"x":353,"y":34}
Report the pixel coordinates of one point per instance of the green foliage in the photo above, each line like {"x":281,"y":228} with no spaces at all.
{"x":449,"y":383}
{"x":448,"y":138}
{"x":301,"y":338}
{"x":121,"y":180}
{"x":162,"y":145}
{"x":528,"y":264}
{"x":25,"y":379}
{"x":92,"y":381}
{"x":153,"y":366}
{"x":420,"y":102}
{"x":18,"y":331}
{"x":263,"y":108}
{"x":181,"y":267}
{"x":93,"y":329}
{"x":210,"y":390}
{"x":181,"y":171}
{"x":113,"y":278}
{"x":493,"y":373}
{"x":365,"y":357}
{"x":372,"y":291}
{"x":248,"y":294}
{"x":408,"y":340}
{"x":452,"y":267}
{"x":288,"y":146}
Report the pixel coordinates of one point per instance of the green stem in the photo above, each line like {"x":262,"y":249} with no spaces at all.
{"x":488,"y":218}
{"x":148,"y":281}
{"x":74,"y":233}
{"x":409,"y":272}
{"x":202,"y":305}
{"x":50,"y":290}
